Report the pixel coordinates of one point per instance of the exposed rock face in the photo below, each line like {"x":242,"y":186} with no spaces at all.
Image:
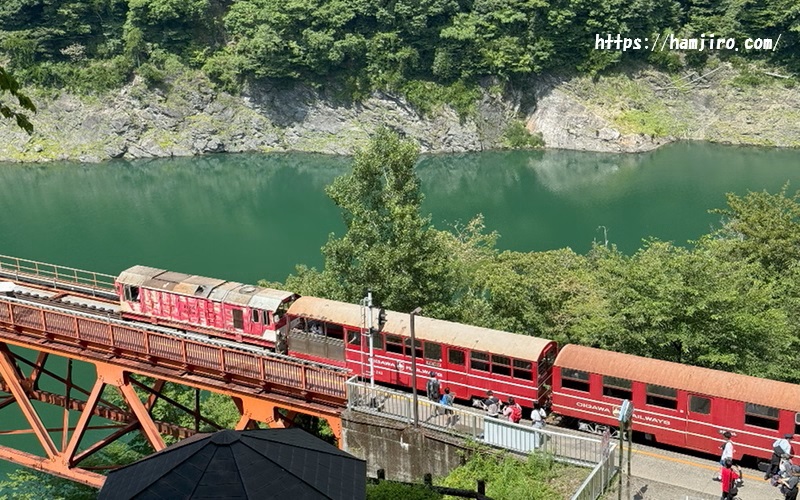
{"x":140,"y":123}
{"x":623,"y":113}
{"x":565,"y":123}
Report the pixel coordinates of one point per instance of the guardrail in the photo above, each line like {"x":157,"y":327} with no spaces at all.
{"x":59,"y":277}
{"x":579,"y":450}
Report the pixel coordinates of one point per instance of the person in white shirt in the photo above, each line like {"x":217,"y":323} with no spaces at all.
{"x":727,"y":448}
{"x":538,"y":415}
{"x":727,"y":453}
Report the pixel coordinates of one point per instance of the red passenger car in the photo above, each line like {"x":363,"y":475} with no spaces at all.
{"x":208,"y":305}
{"x":468,"y":359}
{"x":676,"y":404}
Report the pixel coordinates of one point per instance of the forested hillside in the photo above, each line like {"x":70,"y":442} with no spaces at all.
{"x":403,"y":45}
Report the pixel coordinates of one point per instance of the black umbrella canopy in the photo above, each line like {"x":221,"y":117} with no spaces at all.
{"x":288,"y":464}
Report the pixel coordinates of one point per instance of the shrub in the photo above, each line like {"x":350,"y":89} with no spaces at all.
{"x":387,"y":490}
{"x":517,"y":136}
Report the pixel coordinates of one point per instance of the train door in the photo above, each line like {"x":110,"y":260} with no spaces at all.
{"x":701,"y":433}
{"x":455,"y":374}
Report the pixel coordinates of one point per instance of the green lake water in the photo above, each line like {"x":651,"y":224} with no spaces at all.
{"x":247,"y":217}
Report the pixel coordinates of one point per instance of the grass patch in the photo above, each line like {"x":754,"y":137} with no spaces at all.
{"x":509,"y":478}
{"x":428,"y":97}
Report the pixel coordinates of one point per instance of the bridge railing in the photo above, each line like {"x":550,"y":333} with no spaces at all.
{"x":250,"y":367}
{"x":59,"y":277}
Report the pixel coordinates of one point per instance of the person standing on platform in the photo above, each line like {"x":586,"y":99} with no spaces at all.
{"x":780,"y":448}
{"x":727,"y":453}
{"x":433,"y":388}
{"x":728,"y":477}
{"x":727,"y":448}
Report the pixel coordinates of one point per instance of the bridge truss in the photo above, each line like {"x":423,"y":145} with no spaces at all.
{"x":138,"y":360}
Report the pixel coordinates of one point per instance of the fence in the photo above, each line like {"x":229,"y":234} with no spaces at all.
{"x":578,"y":450}
{"x":600,"y":477}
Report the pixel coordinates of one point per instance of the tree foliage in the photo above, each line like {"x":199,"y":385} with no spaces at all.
{"x":10,"y":85}
{"x":368,"y":44}
{"x":388,"y":247}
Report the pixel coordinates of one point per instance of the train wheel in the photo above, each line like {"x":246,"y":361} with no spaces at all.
{"x":598,"y":429}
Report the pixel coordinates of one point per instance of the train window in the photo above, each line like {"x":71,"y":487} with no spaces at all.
{"x":501,"y":365}
{"x":797,"y":423}
{"x":575,"y":379}
{"x":255,"y":315}
{"x":698,"y":404}
{"x":377,"y":341}
{"x":132,"y":293}
{"x":334,"y":331}
{"x":418,"y":349}
{"x":665,"y":397}
{"x":238,"y":319}
{"x":433,"y":351}
{"x":617,"y":387}
{"x":479,"y":361}
{"x":523,"y":369}
{"x":265,"y":317}
{"x":354,"y":337}
{"x":394,"y":343}
{"x":761,"y":416}
{"x":455,"y":356}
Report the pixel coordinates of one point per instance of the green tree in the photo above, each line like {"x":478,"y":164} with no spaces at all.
{"x":10,"y":85}
{"x":389,"y":246}
{"x":763,"y":228}
{"x":551,"y":294}
{"x":691,"y":306}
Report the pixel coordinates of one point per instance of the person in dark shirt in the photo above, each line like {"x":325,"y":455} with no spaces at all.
{"x":789,"y":484}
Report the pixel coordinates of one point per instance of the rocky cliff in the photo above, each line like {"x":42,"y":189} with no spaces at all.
{"x":629,"y":112}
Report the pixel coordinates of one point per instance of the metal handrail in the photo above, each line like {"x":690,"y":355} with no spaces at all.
{"x":57,"y":276}
{"x":519,"y":438}
{"x":244,"y":365}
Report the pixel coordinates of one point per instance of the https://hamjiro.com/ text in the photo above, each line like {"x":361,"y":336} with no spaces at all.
{"x":704,"y":42}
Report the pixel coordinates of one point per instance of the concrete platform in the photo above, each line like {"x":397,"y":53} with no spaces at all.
{"x":658,"y":474}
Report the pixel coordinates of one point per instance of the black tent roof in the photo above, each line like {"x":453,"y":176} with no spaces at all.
{"x":289,"y":464}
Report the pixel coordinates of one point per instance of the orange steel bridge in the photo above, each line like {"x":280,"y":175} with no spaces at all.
{"x":138,"y":359}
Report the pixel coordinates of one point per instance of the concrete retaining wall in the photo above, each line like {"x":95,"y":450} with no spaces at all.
{"x":406,"y":453}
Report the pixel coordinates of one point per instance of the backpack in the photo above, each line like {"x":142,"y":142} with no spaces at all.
{"x":433,"y":388}
{"x":516,"y":413}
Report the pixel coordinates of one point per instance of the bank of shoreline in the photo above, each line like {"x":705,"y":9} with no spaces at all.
{"x":626,"y":113}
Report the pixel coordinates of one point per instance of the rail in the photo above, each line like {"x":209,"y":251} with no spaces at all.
{"x":59,"y":277}
{"x":190,"y":353}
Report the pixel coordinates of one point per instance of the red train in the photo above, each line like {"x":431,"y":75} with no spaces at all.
{"x":675,"y":404}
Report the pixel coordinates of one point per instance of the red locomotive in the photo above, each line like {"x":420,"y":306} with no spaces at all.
{"x":674,"y":404}
{"x":224,"y":308}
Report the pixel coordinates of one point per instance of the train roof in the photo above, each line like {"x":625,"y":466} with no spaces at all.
{"x":435,"y":330}
{"x":214,"y":289}
{"x":694,"y":379}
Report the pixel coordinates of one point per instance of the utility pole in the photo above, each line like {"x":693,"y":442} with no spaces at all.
{"x":371,"y":340}
{"x":414,"y":365}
